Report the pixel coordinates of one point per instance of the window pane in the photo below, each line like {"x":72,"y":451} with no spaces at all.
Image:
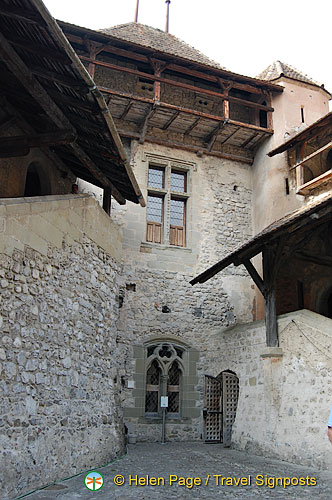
{"x":156,"y":177}
{"x":154,"y":209}
{"x":177,"y":212}
{"x":178,"y":181}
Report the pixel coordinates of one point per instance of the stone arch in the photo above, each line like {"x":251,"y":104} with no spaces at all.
{"x":37,"y":181}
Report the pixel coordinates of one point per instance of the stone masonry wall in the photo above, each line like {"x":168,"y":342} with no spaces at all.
{"x":219,"y":220}
{"x":59,"y":363}
{"x":284,"y":402}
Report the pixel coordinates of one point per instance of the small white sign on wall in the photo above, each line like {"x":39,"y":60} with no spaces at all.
{"x":164,"y":402}
{"x":131,"y":384}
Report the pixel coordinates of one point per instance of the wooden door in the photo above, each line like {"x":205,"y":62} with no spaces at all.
{"x":230,"y":396}
{"x":212,"y":410}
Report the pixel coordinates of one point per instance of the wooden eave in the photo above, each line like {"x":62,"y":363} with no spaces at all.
{"x":302,"y":220}
{"x":145,"y":52}
{"x":44,"y":83}
{"x":309,"y":133}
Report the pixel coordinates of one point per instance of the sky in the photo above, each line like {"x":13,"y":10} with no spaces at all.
{"x":243,"y":36}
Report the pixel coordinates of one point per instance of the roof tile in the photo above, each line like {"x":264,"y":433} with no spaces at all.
{"x":159,"y":40}
{"x":278,"y":69}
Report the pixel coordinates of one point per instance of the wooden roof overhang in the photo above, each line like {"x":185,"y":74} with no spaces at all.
{"x":309,"y":133}
{"x":319,"y":132}
{"x":214,"y":132}
{"x":283,"y":237}
{"x":49,"y":93}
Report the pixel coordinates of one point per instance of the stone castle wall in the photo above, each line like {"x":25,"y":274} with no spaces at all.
{"x":59,"y":359}
{"x":219,"y":220}
{"x":284,"y":401}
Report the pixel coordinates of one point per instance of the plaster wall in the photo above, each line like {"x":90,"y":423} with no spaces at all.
{"x":270,"y":201}
{"x":60,"y":363}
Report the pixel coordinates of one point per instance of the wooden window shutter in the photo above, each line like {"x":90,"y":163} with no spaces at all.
{"x":177,"y":236}
{"x":153,"y":232}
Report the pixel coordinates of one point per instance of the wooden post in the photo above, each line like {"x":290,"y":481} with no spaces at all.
{"x":271,"y":324}
{"x":107,"y":198}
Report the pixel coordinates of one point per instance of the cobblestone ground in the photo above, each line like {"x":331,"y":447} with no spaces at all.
{"x":193,"y":460}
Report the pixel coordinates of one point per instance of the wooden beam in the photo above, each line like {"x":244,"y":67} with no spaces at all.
{"x":314,"y":259}
{"x":90,"y":165}
{"x":22,"y":15}
{"x":171,"y":120}
{"x":254,"y":275}
{"x":175,"y":83}
{"x":213,"y":137}
{"x":271,"y":323}
{"x":247,"y":141}
{"x":148,"y":116}
{"x":39,"y":50}
{"x":126,"y":110}
{"x":231,"y":135}
{"x":186,"y":147}
{"x":23,"y":143}
{"x":177,"y":67}
{"x":192,"y":126}
{"x":312,"y":155}
{"x":28,"y":80}
{"x":66,"y":81}
{"x":107,"y":199}
{"x":73,"y":102}
{"x":166,"y":105}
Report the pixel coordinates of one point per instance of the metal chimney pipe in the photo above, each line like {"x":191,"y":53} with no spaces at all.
{"x":136,"y":12}
{"x":167,"y":16}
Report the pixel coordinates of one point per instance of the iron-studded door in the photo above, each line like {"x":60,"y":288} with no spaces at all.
{"x":230,"y":396}
{"x":212,"y":410}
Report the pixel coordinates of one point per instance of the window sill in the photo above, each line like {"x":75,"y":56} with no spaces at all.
{"x":162,"y":246}
{"x":314,"y":183}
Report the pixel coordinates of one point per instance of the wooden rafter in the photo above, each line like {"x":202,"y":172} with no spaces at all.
{"x":171,"y":120}
{"x":64,"y":80}
{"x":36,"y":49}
{"x":31,"y":84}
{"x":247,"y":141}
{"x":213,"y":136}
{"x":231,"y":135}
{"x":21,"y":15}
{"x":186,"y":147}
{"x":11,"y":146}
{"x":126,"y":110}
{"x":148,"y":116}
{"x":192,"y":126}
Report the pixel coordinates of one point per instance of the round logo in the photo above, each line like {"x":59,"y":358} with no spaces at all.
{"x":94,"y":481}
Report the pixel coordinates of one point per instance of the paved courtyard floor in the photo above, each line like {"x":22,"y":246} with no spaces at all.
{"x":218,"y":473}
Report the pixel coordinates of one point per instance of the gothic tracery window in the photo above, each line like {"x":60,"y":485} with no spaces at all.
{"x":152,"y":388}
{"x":163,"y":378}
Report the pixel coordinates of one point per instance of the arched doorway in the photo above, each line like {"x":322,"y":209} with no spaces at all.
{"x":36,"y":182}
{"x":221,"y":395}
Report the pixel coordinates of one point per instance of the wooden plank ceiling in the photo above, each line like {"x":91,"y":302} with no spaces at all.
{"x":45,"y":88}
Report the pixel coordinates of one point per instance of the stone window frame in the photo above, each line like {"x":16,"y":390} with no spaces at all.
{"x":189,"y":395}
{"x":170,"y":164}
{"x":165,"y":364}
